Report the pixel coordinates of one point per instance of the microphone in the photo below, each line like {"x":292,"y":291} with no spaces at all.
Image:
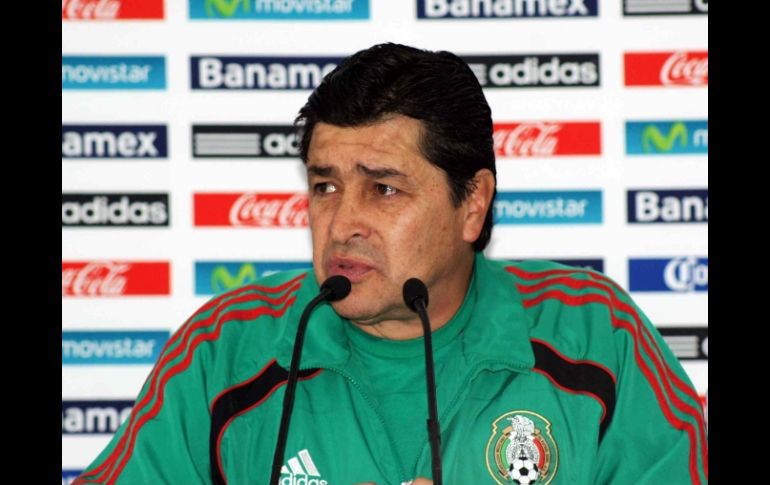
{"x":333,"y":289}
{"x":416,"y":299}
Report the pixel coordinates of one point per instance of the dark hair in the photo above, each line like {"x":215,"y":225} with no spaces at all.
{"x":436,"y":88}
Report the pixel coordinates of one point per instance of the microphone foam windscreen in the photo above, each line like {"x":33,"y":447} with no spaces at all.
{"x":338,"y":285}
{"x":414,"y":290}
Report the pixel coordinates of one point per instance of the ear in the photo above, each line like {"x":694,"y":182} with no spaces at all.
{"x":477,"y":203}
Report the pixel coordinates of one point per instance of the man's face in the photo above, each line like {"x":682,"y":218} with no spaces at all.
{"x":380,"y":213}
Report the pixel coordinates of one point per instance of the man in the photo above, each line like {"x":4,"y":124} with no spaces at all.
{"x":545,"y":373}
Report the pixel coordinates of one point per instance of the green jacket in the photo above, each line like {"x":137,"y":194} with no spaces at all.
{"x":560,"y":379}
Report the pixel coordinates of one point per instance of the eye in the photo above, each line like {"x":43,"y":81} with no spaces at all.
{"x":324,"y":188}
{"x":386,"y":190}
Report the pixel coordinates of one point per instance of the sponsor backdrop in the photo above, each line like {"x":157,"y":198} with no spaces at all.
{"x":180,"y":175}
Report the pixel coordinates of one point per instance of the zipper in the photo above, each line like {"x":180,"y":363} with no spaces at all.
{"x":464,"y":389}
{"x":372,"y":406}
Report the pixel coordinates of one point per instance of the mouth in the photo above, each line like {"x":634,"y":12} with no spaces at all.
{"x":352,"y":269}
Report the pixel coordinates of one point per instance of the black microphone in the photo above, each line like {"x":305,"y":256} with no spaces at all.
{"x":416,"y":299}
{"x":333,"y":289}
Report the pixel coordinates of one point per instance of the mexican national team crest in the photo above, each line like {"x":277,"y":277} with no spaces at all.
{"x":521,"y":449}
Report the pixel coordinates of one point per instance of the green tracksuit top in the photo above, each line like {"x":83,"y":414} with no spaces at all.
{"x":558,"y":378}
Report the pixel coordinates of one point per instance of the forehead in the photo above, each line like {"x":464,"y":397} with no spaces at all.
{"x":391,"y":141}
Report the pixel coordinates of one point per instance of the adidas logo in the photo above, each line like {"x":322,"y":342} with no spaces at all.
{"x":301,"y":470}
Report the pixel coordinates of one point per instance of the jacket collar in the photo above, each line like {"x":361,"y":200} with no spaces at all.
{"x":496,"y":334}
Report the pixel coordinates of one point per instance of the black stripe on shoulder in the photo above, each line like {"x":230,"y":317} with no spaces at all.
{"x":578,"y":377}
{"x":240,"y":398}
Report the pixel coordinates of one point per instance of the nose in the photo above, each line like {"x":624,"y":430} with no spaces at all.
{"x":350,"y":220}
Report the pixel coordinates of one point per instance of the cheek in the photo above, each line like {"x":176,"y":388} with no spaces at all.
{"x":413,"y":238}
{"x":316,"y":216}
{"x":442,"y":233}
{"x":318,"y":234}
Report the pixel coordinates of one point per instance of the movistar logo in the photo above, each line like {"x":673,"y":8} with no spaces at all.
{"x":222,"y":280}
{"x":226,"y":8}
{"x":655,"y":141}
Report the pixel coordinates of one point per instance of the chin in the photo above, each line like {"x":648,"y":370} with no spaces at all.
{"x":353,"y":310}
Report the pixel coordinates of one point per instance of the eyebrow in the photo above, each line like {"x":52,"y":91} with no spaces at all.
{"x":380,"y":173}
{"x":373,"y":172}
{"x":320,"y":170}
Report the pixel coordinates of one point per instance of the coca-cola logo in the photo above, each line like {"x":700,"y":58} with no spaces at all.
{"x":252,"y":209}
{"x":527,"y":140}
{"x":95,"y":278}
{"x":90,"y":9}
{"x":681,"y":69}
